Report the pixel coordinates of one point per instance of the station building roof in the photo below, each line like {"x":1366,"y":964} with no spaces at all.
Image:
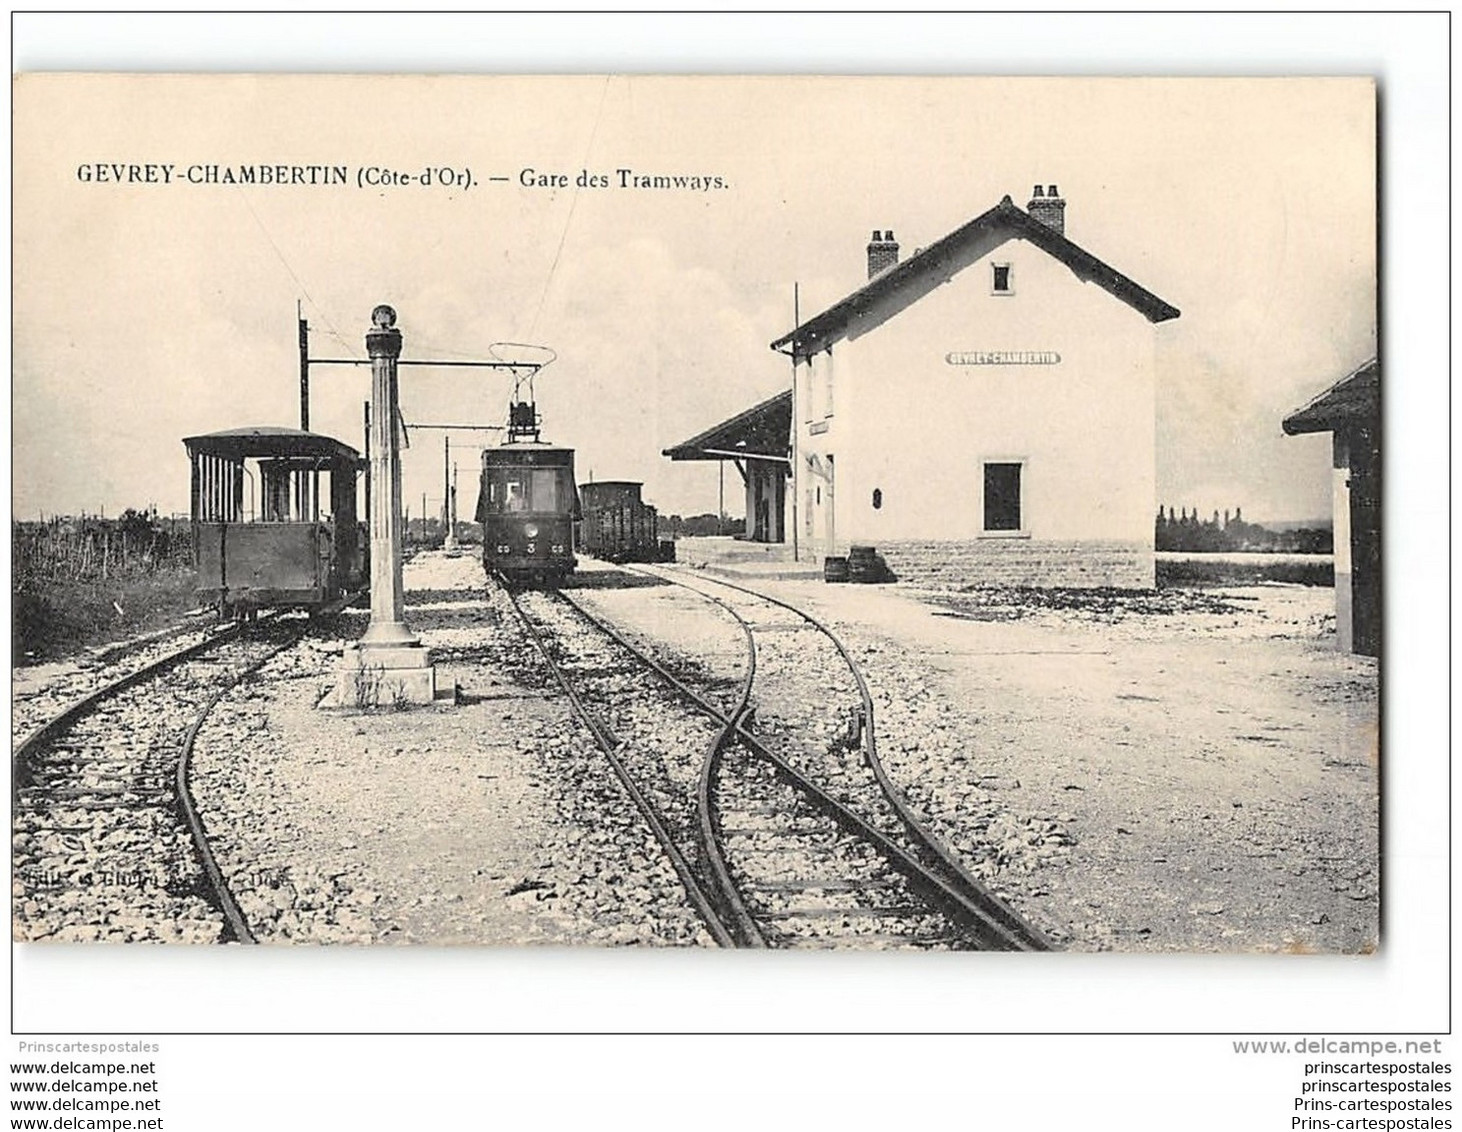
{"x":1353,"y":400}
{"x":269,"y":441}
{"x":763,"y":431}
{"x":903,"y":284}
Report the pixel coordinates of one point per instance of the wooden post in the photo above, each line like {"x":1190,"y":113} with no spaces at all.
{"x":304,"y":328}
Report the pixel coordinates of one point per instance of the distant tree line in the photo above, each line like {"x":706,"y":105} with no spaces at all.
{"x":1187,"y":532}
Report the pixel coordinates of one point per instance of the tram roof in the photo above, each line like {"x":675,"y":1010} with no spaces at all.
{"x":269,"y":440}
{"x":520,"y":447}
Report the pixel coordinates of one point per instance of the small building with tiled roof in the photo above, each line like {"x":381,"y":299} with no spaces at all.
{"x":982,"y":411}
{"x":1350,"y":410}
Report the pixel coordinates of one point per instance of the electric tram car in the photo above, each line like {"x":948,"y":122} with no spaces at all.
{"x":274,"y":520}
{"x":527,"y":503}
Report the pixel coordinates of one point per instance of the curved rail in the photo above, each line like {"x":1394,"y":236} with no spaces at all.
{"x":609,"y":744}
{"x":32,"y":743}
{"x":957,"y":894}
{"x":25,"y":754}
{"x":1011,"y":920}
{"x":749,"y":932}
{"x":188,"y":806}
{"x":233,"y":915}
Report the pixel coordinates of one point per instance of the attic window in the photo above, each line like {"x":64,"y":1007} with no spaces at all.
{"x":1000,"y":279}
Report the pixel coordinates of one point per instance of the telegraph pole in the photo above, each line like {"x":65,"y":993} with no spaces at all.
{"x":448,"y":501}
{"x":449,"y":477}
{"x":304,"y":329}
{"x":366,"y":405}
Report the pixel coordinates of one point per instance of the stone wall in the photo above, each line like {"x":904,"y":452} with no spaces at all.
{"x":1021,"y":562}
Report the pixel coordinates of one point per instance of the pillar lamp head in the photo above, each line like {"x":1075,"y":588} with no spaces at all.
{"x":383,"y":340}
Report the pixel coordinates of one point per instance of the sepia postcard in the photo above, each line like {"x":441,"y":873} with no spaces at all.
{"x":841,"y":513}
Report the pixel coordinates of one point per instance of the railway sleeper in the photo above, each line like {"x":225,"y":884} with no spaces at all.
{"x":818,"y":912}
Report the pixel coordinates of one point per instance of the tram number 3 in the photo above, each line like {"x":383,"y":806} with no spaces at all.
{"x":532,"y":548}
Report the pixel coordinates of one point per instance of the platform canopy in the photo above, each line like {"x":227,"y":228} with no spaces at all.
{"x":1353,"y":400}
{"x":762,"y":432}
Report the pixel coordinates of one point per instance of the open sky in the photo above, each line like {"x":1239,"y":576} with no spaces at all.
{"x":145,"y":312}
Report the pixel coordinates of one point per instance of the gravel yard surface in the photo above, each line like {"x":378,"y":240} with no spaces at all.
{"x":805,"y":880}
{"x":491,"y":822}
{"x":1169,"y":772}
{"x":40,"y":691}
{"x":100,"y":850}
{"x":1179,"y":771}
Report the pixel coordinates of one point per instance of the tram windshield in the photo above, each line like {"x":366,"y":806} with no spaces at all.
{"x":526,"y":489}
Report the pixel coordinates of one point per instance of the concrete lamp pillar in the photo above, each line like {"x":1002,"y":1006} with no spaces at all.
{"x":389,"y":666}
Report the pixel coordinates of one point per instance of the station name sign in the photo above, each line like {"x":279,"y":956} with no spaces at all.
{"x":1003,"y":358}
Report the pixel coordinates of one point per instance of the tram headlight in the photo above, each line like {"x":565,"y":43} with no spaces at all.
{"x":530,"y":529}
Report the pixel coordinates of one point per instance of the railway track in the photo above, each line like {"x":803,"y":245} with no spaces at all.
{"x":35,"y":703}
{"x":649,"y":738}
{"x":784,"y":828}
{"x":108,"y":844}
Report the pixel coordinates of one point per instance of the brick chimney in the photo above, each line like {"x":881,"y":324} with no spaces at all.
{"x":883,"y":252}
{"x":1048,"y":208}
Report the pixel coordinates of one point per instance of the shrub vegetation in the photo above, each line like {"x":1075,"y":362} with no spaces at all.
{"x":82,"y":582}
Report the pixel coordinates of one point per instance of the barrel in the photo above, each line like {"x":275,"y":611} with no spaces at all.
{"x":863,"y":564}
{"x":834,"y":569}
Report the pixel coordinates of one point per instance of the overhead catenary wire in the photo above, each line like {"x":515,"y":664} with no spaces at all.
{"x":573,"y":203}
{"x":330,"y":327}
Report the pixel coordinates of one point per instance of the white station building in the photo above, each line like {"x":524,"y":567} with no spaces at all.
{"x":983,"y":411}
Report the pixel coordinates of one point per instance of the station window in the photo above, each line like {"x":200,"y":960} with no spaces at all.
{"x":1002,"y":497}
{"x":827,"y":386}
{"x":1000,"y":279}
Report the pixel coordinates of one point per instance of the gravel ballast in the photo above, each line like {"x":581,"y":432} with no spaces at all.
{"x":494,"y":821}
{"x":1173,"y":771}
{"x":1160,"y":772}
{"x":1177,"y":771}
